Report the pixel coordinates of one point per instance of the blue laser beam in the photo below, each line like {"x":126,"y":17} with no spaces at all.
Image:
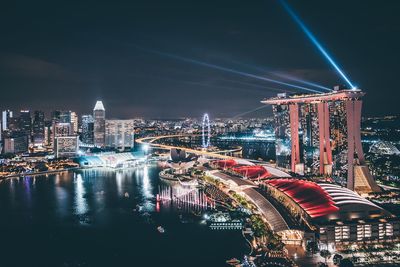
{"x":217,"y":67}
{"x":314,"y":40}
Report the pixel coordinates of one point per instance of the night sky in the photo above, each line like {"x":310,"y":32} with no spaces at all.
{"x":68,"y":54}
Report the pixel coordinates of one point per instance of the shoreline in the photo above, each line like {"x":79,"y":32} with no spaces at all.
{"x":58,"y":171}
{"x":38,"y":173}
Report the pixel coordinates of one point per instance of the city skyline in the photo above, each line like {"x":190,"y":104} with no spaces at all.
{"x":86,"y":56}
{"x":176,"y":133}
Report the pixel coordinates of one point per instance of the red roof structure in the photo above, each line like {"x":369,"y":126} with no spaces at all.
{"x":311,"y":197}
{"x":252,"y":171}
{"x":225,"y":163}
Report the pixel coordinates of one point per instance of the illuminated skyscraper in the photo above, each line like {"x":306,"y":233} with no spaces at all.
{"x":87,"y":135}
{"x":5,"y":119}
{"x":99,"y":115}
{"x":38,"y":127}
{"x":325,"y":136}
{"x":120,"y":134}
{"x":25,"y":121}
{"x":17,"y":143}
{"x":61,"y":129}
{"x":309,"y":140}
{"x":282,"y":135}
{"x":55,"y":115}
{"x":74,"y":122}
{"x":65,"y":116}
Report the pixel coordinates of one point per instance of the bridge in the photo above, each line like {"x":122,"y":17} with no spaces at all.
{"x":212,"y":154}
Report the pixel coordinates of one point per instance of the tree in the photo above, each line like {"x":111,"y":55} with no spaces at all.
{"x":325,"y":254}
{"x":312,"y":247}
{"x":337,"y":258}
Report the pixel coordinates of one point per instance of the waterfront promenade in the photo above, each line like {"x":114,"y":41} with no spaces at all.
{"x":274,"y":219}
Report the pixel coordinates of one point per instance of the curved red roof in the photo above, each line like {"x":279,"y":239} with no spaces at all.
{"x":225,"y":163}
{"x":310,"y":196}
{"x":252,"y":171}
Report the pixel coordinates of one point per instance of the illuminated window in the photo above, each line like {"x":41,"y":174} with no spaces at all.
{"x":363,"y":231}
{"x":389,"y":229}
{"x":342,"y":233}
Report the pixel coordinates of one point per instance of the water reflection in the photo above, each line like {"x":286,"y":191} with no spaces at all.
{"x":146,"y":185}
{"x":118,"y":178}
{"x":86,"y":211}
{"x":27,"y":190}
{"x":146,"y":189}
{"x":81,"y":206}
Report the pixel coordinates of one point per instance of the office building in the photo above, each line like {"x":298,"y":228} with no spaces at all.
{"x":99,"y":115}
{"x":25,"y":122}
{"x":5,"y":119}
{"x":66,"y":146}
{"x":16,"y":143}
{"x":120,"y":134}
{"x":87,"y":136}
{"x":74,"y":122}
{"x":38,"y":128}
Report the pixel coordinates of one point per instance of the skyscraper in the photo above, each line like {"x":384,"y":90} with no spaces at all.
{"x":74,"y":122}
{"x":120,"y":134}
{"x":5,"y":119}
{"x":99,"y":115}
{"x":87,"y":136}
{"x":38,"y":127}
{"x":317,"y":119}
{"x":65,"y":116}
{"x":61,"y":130}
{"x":25,"y":121}
{"x":282,"y":135}
{"x":55,"y":115}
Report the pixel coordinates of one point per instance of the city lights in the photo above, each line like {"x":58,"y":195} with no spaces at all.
{"x":131,"y":134}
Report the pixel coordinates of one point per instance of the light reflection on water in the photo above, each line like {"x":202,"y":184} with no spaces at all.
{"x":83,"y":217}
{"x":81,"y":207}
{"x":146,"y":190}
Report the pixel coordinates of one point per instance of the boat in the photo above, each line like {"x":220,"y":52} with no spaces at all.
{"x":161,"y":229}
{"x":126,"y":194}
{"x":233,"y":262}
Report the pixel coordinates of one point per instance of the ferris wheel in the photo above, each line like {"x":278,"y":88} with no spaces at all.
{"x":205,"y":131}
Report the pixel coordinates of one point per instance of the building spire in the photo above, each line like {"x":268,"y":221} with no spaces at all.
{"x":99,"y":106}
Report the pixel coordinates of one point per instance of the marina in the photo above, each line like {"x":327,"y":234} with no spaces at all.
{"x":108,"y":211}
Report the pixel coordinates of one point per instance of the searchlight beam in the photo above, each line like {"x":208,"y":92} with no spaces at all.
{"x":217,"y":67}
{"x":314,"y":40}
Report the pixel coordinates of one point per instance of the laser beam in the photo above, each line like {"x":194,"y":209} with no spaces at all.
{"x":282,"y":75}
{"x":221,"y":68}
{"x":258,"y":86}
{"x":292,"y":78}
{"x":314,"y":40}
{"x":250,"y":111}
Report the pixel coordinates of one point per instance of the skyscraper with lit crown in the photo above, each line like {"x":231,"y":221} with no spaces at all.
{"x":99,"y":115}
